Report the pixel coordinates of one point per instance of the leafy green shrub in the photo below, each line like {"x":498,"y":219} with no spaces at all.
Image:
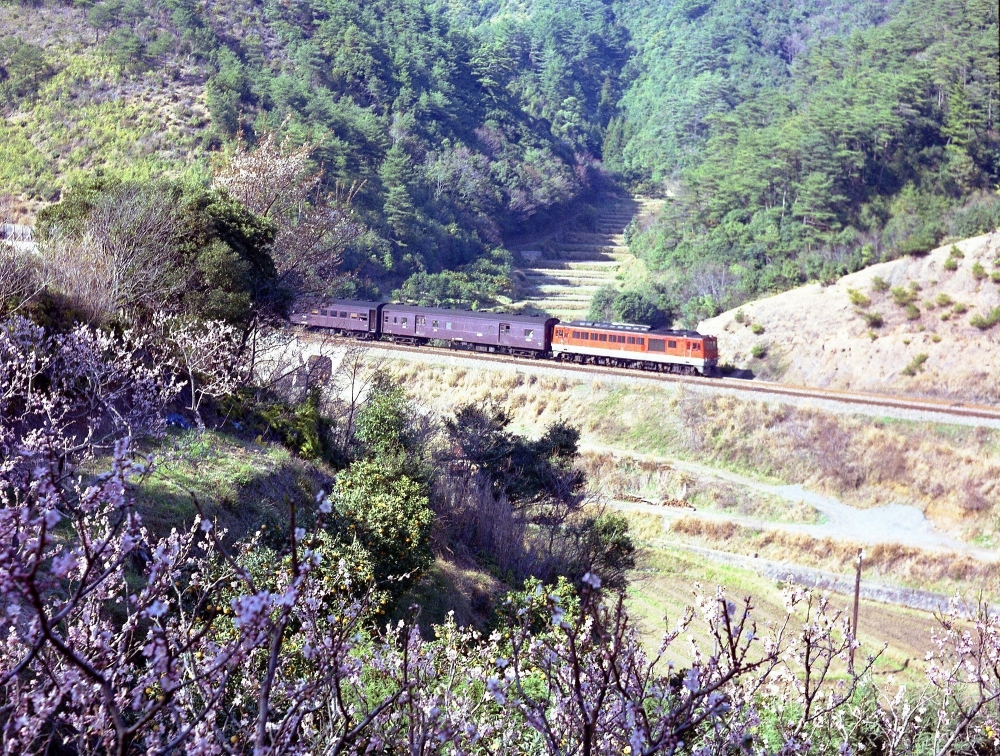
{"x":858,"y":299}
{"x":873,"y":319}
{"x":951,"y":264}
{"x":740,"y":317}
{"x":944,"y":300}
{"x":936,"y":338}
{"x":959,"y":308}
{"x":388,"y":514}
{"x":879,"y":284}
{"x":912,"y":311}
{"x":995,"y":276}
{"x":757,"y":329}
{"x":978,"y":271}
{"x":758,"y":351}
{"x":986,"y":322}
{"x":916,"y":366}
{"x":902,"y":296}
{"x":955,"y":252}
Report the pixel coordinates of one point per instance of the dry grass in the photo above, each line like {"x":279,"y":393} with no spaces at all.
{"x":952,"y":473}
{"x":886,"y":562}
{"x":617,"y":477}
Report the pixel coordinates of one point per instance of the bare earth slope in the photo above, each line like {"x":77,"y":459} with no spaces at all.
{"x":816,"y":336}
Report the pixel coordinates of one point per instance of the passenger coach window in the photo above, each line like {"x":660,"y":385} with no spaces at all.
{"x":640,"y":341}
{"x":405,"y":321}
{"x":603,"y":337}
{"x":672,"y":344}
{"x":354,"y":316}
{"x":631,"y":339}
{"x":421,"y":320}
{"x":447,"y":326}
{"x":343,"y":313}
{"x":434,"y":324}
{"x":585,"y":335}
{"x":697,"y":347}
{"x":528,"y":333}
{"x":576,"y":334}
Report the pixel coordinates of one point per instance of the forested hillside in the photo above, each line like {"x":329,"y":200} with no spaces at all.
{"x":456,"y":124}
{"x":797,"y":141}
{"x":803,"y":141}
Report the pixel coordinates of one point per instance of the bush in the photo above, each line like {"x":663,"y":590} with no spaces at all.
{"x":916,"y":366}
{"x":955,"y":252}
{"x":873,"y":319}
{"x":960,"y":308}
{"x":879,"y":284}
{"x":986,"y":322}
{"x":757,"y":329}
{"x":978,"y":271}
{"x":388,"y":515}
{"x":951,"y":264}
{"x":759,"y":351}
{"x":943,"y":300}
{"x":903,"y":297}
{"x":912,"y":311}
{"x":858,"y":299}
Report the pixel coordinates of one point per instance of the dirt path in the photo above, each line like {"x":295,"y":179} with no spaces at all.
{"x":894,"y":523}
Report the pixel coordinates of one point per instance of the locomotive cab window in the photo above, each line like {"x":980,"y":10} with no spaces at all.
{"x":697,"y":347}
{"x":672,"y":344}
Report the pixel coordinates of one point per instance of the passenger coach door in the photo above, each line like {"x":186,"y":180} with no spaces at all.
{"x":372,"y":320}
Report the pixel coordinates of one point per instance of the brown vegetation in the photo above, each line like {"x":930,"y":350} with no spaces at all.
{"x":901,"y":563}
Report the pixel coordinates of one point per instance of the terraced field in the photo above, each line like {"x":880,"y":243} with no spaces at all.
{"x":562,"y":271}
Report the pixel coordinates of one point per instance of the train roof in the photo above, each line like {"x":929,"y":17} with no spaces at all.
{"x":632,"y":328}
{"x":350,"y":303}
{"x":505,"y":316}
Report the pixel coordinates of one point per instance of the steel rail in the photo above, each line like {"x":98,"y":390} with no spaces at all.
{"x":889,"y":401}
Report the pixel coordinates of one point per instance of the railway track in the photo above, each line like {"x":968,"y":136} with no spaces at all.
{"x":940,"y":407}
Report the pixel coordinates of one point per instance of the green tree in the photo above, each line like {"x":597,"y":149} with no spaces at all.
{"x":388,"y":515}
{"x":398,"y":208}
{"x":105,"y":16}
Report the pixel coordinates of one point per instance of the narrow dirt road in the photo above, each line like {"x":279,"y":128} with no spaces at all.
{"x":895,"y":523}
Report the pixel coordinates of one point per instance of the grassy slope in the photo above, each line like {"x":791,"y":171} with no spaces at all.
{"x":948,"y":472}
{"x":91,"y":116}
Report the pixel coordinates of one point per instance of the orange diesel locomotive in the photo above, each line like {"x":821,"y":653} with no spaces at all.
{"x":635,"y":346}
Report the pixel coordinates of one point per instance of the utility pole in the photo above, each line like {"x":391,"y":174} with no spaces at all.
{"x":857,"y":597}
